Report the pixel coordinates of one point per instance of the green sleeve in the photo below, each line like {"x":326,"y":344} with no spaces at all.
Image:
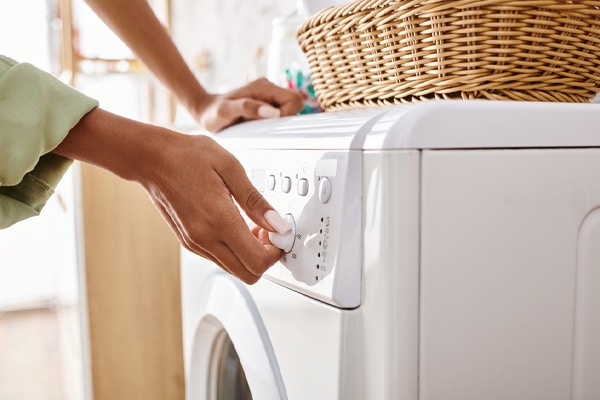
{"x":37,"y":111}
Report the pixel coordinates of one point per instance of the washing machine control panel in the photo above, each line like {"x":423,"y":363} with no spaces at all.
{"x":319,"y":193}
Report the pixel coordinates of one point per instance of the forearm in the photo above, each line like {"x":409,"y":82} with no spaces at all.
{"x":117,"y":144}
{"x":137,"y":25}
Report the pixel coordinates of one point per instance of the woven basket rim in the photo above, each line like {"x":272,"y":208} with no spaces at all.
{"x":451,"y":45}
{"x":332,"y":13}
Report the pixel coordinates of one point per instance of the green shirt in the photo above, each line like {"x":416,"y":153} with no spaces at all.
{"x":37,"y":111}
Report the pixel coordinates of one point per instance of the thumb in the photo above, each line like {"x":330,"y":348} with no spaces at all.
{"x":250,"y":109}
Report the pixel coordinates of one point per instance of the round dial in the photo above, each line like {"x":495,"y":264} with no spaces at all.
{"x":285,"y":241}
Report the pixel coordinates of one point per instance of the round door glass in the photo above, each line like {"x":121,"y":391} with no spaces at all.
{"x":227,"y":375}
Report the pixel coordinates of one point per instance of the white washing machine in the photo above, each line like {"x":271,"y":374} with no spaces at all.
{"x":442,"y":250}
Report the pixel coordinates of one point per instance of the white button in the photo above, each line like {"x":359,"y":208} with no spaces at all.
{"x":303,"y":187}
{"x":286,"y":241}
{"x":271,"y":182}
{"x":325,"y":190}
{"x":286,"y":184}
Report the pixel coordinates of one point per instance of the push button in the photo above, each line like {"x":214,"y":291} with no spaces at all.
{"x":303,"y":187}
{"x":271,"y":182}
{"x":325,"y":190}
{"x":286,"y":184}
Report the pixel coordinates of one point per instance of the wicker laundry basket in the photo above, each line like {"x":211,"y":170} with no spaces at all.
{"x":380,"y":52}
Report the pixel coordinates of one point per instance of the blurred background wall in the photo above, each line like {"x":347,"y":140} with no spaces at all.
{"x":82,"y":312}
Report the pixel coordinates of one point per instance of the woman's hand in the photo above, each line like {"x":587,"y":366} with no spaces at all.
{"x":194,"y":183}
{"x":195,"y":190}
{"x":256,"y":100}
{"x":151,"y":43}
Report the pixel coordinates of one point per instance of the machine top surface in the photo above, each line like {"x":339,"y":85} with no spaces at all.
{"x":443,"y":124}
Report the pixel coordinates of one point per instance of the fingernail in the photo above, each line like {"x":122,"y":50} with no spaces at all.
{"x":268,"y":112}
{"x":277,"y":222}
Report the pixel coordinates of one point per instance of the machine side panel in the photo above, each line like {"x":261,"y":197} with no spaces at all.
{"x":498,"y":273}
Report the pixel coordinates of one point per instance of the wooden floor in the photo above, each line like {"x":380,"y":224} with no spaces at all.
{"x":40,"y":357}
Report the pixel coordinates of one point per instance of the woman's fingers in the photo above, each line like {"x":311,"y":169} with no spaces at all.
{"x":195,"y":190}
{"x":257,"y":100}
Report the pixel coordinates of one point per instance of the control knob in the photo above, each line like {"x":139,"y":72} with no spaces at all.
{"x":285,"y":241}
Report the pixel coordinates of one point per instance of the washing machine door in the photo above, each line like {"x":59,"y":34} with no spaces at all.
{"x":231,"y":356}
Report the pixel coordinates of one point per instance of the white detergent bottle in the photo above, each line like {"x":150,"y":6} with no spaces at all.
{"x":287,"y":65}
